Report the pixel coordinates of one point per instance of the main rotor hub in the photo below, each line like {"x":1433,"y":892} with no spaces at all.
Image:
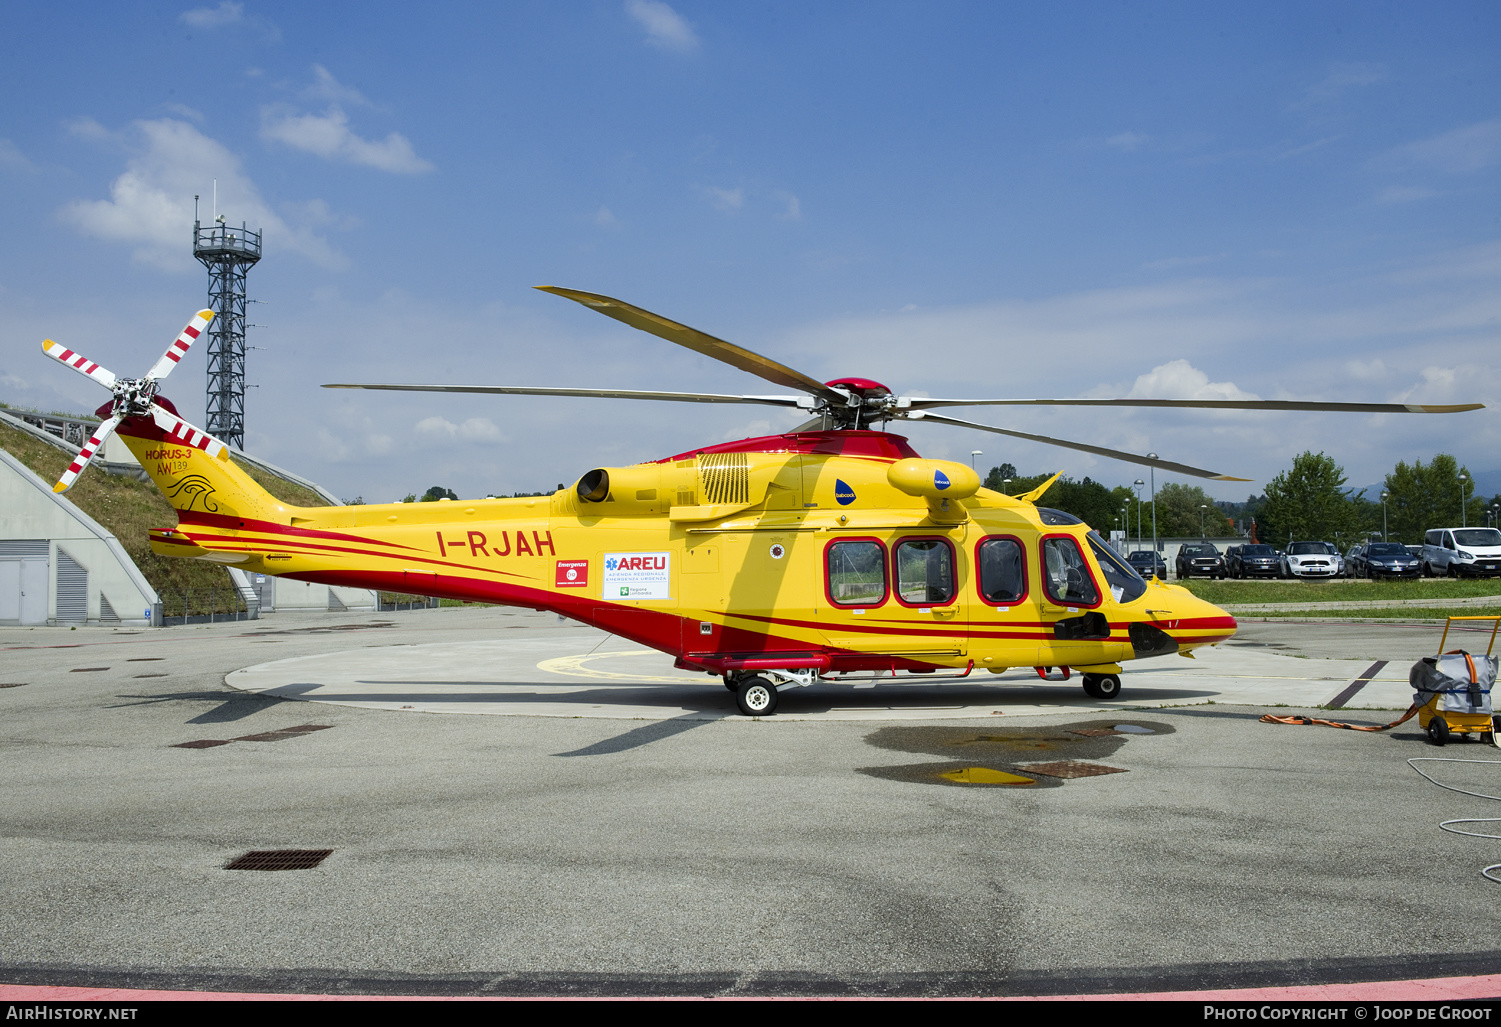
{"x":133,"y":396}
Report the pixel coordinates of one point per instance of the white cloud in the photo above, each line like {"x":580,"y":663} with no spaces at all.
{"x":1178,"y":379}
{"x":1126,"y":141}
{"x":227,"y":13}
{"x":1342,"y":77}
{"x":1461,"y":151}
{"x":330,"y":90}
{"x":665,"y":28}
{"x":605,"y":218}
{"x":151,"y":203}
{"x":1404,"y":194}
{"x":475,"y":429}
{"x":11,"y":157}
{"x":182,"y":110}
{"x":725,"y":199}
{"x":328,"y":135}
{"x":88,"y":128}
{"x":793,"y":210}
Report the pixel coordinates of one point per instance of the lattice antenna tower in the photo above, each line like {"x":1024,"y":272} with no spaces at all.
{"x":228,"y":253}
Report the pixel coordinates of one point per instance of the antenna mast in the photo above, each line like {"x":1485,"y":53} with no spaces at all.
{"x":228,"y":253}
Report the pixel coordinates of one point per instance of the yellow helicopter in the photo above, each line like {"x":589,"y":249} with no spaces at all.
{"x":828,"y":551}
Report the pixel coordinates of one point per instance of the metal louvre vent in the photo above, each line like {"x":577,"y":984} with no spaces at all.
{"x":24,"y":547}
{"x":72,"y":589}
{"x":724,"y":478}
{"x":107,"y":612}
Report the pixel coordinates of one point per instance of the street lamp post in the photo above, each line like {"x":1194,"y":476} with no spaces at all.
{"x":1383,"y":515}
{"x":1005,"y":482}
{"x":1137,"y":486}
{"x":1153,"y":477}
{"x":1463,"y":480}
{"x":972,"y":454}
{"x":1202,"y":508}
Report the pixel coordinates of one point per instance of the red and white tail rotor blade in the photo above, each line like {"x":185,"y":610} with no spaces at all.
{"x":182,"y":431}
{"x":179,"y":347}
{"x":85,"y":455}
{"x":78,"y":362}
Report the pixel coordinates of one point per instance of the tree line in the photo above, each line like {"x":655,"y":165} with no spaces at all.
{"x":1310,"y":500}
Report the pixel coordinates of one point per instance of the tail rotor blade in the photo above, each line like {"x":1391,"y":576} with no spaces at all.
{"x":185,"y":433}
{"x":78,"y":362}
{"x":85,"y":455}
{"x":179,"y":347}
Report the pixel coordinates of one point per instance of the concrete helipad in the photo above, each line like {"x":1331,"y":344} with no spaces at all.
{"x":549,"y":676}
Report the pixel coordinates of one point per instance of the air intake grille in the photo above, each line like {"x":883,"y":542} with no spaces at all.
{"x":72,"y":590}
{"x":724,"y":478}
{"x":24,"y":547}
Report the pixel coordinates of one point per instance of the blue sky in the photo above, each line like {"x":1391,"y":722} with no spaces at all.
{"x":990,"y":199}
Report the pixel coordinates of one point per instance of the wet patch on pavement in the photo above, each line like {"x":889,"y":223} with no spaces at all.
{"x":1009,"y":757}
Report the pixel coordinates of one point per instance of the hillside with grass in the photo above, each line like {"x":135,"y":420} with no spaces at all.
{"x":127,"y":508}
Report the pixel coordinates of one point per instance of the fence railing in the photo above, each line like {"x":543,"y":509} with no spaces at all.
{"x":393,"y":601}
{"x":203,"y":605}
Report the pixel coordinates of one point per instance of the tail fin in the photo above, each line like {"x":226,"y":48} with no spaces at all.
{"x":200,"y":487}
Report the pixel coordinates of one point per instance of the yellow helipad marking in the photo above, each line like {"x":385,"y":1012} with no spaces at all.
{"x":573,"y":667}
{"x":984,"y":776}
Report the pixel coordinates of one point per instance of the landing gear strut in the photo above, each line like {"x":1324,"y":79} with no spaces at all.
{"x":1102,"y":686}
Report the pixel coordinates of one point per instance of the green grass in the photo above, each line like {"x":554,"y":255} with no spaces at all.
{"x":127,"y":508}
{"x":1348,"y":591}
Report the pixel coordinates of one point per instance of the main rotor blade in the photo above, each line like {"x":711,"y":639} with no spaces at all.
{"x":522,"y":390}
{"x":1115,"y":454}
{"x":85,"y":455}
{"x":179,"y":347}
{"x":78,"y":362}
{"x":699,"y":342}
{"x":925,"y":403}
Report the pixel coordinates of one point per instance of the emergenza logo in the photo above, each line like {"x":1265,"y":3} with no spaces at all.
{"x":843,"y":493}
{"x":637,"y":576}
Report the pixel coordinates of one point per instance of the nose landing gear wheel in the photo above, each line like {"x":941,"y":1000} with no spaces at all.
{"x":757,"y":697}
{"x":1102,"y":686}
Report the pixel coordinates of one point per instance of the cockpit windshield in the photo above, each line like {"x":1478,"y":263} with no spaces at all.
{"x":1120,"y":577}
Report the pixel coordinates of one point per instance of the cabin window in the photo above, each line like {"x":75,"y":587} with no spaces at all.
{"x":857,"y":572}
{"x":924,"y":572}
{"x":1003,"y":571}
{"x":1066,"y":577}
{"x":1120,"y":577}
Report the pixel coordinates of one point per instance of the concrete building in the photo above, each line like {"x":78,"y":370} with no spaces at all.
{"x":58,"y":565}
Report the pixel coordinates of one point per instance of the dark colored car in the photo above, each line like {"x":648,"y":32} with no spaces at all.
{"x":1355,"y":561}
{"x":1148,"y":564}
{"x":1255,"y":561}
{"x":1200,"y":558}
{"x":1389,"y":560}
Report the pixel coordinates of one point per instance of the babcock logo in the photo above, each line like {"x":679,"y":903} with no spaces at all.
{"x":940,"y":480}
{"x":843,"y":493}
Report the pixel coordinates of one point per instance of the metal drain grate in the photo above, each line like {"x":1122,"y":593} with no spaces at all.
{"x":85,"y":670}
{"x":279,"y":859}
{"x":202,"y":743}
{"x":11,"y":684}
{"x":1068,"y":769}
{"x":145,"y":659}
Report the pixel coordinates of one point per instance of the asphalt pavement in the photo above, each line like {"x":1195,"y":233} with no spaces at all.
{"x":599,"y":855}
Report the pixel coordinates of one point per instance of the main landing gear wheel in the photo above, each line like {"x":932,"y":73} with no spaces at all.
{"x":1102,"y":686}
{"x":1438,"y":730}
{"x":756,"y":697}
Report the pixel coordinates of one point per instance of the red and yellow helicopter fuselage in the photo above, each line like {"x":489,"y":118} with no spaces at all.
{"x":796,"y":555}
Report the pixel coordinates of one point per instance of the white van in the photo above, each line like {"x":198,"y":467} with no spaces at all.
{"x":1461,"y":552}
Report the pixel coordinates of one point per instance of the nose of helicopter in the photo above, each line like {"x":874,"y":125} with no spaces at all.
{"x":1184,"y":618}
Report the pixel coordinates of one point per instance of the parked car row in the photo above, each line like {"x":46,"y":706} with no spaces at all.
{"x":1447,"y":552}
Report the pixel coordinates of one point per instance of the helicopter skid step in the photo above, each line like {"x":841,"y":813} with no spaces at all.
{"x":561,"y":676}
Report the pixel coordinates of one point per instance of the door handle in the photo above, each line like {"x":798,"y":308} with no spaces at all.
{"x":945,"y":614}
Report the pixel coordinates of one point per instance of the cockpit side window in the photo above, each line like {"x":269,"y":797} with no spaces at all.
{"x":1120,"y":577}
{"x":1066,"y":576}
